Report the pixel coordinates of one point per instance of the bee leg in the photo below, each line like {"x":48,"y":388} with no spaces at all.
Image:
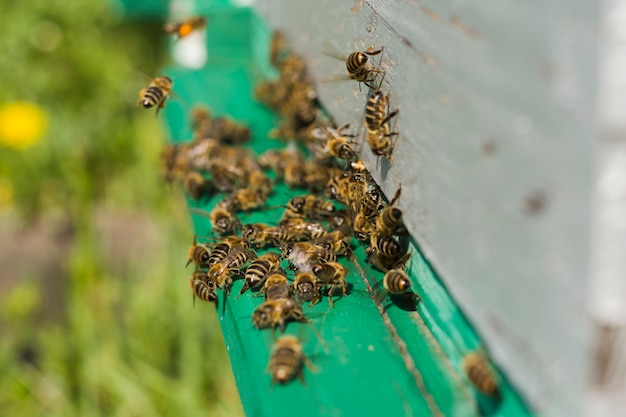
{"x":331,"y":290}
{"x":243,"y":289}
{"x":370,"y":51}
{"x":161,"y":105}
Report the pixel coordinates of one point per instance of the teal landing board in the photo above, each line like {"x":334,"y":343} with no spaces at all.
{"x":361,"y":371}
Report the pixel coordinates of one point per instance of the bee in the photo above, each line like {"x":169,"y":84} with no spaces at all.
{"x":260,"y":235}
{"x":198,"y":254}
{"x":279,"y":48}
{"x":224,"y":248}
{"x":305,"y":287}
{"x":259,"y":270}
{"x":359,"y":67}
{"x":302,"y":255}
{"x":287,"y":360}
{"x":310,"y":206}
{"x":202,"y":287}
{"x":362,"y":227}
{"x":385,"y":245}
{"x":156,"y":93}
{"x":276,"y":286}
{"x":186,"y":27}
{"x":480,"y":374}
{"x":196,"y":185}
{"x":358,"y":166}
{"x":337,"y":241}
{"x":302,"y":230}
{"x":371,"y":204}
{"x":273,"y":313}
{"x":331,"y":275}
{"x":223,"y":219}
{"x":259,"y":181}
{"x":338,"y":145}
{"x":390,"y":219}
{"x":377,"y":118}
{"x":397,"y":282}
{"x":246,"y":199}
{"x":200,"y":118}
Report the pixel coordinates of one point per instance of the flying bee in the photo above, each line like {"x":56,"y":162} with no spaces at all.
{"x":186,"y":27}
{"x":202,"y":287}
{"x":480,"y":374}
{"x":198,"y":254}
{"x":377,"y":119}
{"x":276,"y":286}
{"x":331,"y":275}
{"x":389,"y":220}
{"x":158,"y":90}
{"x":196,"y":185}
{"x":397,"y":282}
{"x":273,"y":313}
{"x":259,"y":270}
{"x":287,"y":360}
{"x":305,"y":287}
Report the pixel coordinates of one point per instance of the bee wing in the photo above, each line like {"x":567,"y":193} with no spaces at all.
{"x":332,"y":51}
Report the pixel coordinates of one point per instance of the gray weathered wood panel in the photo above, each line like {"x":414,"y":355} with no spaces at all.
{"x":497,"y":119}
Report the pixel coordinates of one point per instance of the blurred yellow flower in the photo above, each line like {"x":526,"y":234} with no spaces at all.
{"x":21,"y":124}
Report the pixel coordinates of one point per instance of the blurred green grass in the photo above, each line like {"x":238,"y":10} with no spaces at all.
{"x":95,"y":314}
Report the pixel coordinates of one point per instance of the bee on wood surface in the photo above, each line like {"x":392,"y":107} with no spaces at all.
{"x":275,"y":313}
{"x":287,"y":359}
{"x":158,"y":90}
{"x":202,"y":287}
{"x":276,"y":286}
{"x":259,"y":270}
{"x":377,"y":117}
{"x":480,"y":374}
{"x":359,"y":67}
{"x":331,"y":275}
{"x":198,"y":254}
{"x":305,"y":287}
{"x":338,"y":145}
{"x":184,"y":28}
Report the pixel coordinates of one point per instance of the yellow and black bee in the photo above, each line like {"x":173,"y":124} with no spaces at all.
{"x":156,"y":93}
{"x":186,"y":27}
{"x":379,"y":134}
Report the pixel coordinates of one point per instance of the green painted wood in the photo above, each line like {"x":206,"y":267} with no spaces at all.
{"x":363,"y":371}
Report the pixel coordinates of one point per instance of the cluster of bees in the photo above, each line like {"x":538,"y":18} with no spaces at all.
{"x":295,"y":261}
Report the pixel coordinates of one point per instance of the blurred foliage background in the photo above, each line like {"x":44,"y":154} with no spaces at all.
{"x":95,"y":314}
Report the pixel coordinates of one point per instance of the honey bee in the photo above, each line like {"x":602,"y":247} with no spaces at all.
{"x":338,"y":145}
{"x":287,"y":360}
{"x":305,"y":287}
{"x":371,"y":204}
{"x":385,"y":245}
{"x":358,"y":66}
{"x":273,"y":313}
{"x":302,"y":230}
{"x":221,"y":272}
{"x":279,"y":48}
{"x":246,"y":199}
{"x":310,"y":206}
{"x":396,"y":281}
{"x":358,"y":166}
{"x":156,"y":93}
{"x":198,"y":254}
{"x":202,"y":287}
{"x":390,"y":219}
{"x":196,"y":185}
{"x":224,"y":248}
{"x":480,"y":374}
{"x":304,"y":254}
{"x":331,"y":275}
{"x":260,"y":235}
{"x":259,"y":270}
{"x":259,"y":181}
{"x":223,"y":219}
{"x":377,"y":118}
{"x":186,"y":27}
{"x":276,"y":286}
{"x":362,"y":227}
{"x":336,"y":241}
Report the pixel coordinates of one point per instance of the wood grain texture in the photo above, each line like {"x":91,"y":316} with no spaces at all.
{"x":497,"y":125}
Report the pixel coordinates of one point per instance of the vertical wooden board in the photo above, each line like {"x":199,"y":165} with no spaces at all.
{"x":497,"y":123}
